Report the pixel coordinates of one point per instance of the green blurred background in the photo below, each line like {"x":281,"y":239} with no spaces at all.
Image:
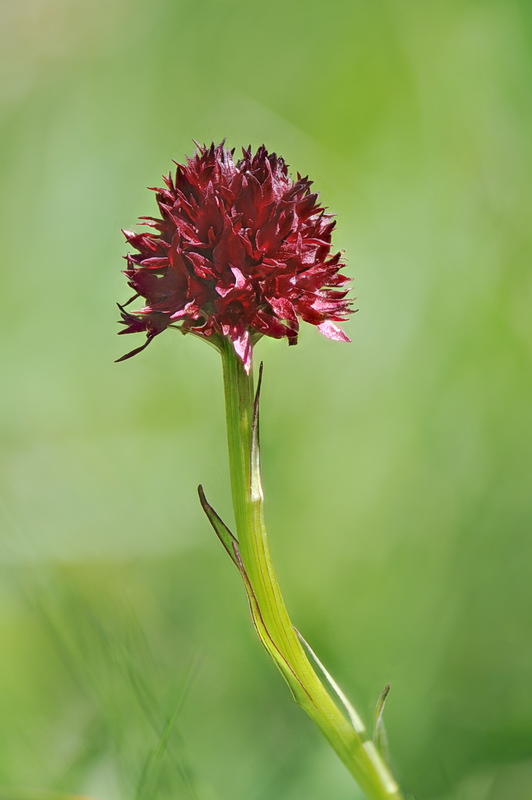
{"x":397,"y":469}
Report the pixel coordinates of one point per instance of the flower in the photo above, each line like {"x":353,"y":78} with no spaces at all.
{"x":240,"y":250}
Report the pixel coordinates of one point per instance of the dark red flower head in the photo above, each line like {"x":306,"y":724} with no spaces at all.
{"x":240,"y":251}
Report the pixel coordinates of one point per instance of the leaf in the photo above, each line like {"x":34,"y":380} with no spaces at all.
{"x":256,"y":485}
{"x":380,"y":736}
{"x":230,"y":544}
{"x":222,"y":531}
{"x":355,"y":720}
{"x":296,"y":687}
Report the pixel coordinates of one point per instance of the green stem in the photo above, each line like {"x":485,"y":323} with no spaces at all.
{"x":347,"y":736}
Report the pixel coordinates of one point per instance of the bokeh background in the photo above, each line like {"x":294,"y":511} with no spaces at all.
{"x":397,"y":469}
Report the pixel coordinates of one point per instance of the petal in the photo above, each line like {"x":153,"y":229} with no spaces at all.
{"x":238,"y":333}
{"x":242,"y":345}
{"x":332,"y":331}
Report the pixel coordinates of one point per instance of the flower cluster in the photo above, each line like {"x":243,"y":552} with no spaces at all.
{"x":240,"y":250}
